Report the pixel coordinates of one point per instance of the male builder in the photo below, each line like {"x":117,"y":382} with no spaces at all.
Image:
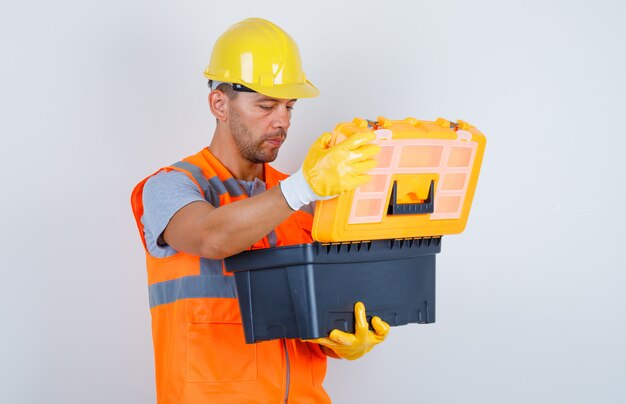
{"x":225,"y":199}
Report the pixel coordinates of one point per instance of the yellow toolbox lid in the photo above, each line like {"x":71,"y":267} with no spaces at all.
{"x":423,"y":185}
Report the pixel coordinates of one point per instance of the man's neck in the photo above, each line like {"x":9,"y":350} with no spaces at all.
{"x":240,"y":168}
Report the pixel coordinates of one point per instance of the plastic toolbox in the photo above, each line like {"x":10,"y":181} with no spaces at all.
{"x":306,"y":291}
{"x":375,"y":244}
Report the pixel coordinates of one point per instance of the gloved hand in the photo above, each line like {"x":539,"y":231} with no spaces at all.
{"x":353,"y":346}
{"x":329,"y":171}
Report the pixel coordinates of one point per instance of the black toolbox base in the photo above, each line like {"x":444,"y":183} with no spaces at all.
{"x":314,"y":290}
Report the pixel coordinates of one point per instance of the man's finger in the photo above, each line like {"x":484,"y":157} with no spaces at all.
{"x":358,"y":139}
{"x":380,"y":327}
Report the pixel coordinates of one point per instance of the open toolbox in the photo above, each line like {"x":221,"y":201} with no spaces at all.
{"x":376,"y":244}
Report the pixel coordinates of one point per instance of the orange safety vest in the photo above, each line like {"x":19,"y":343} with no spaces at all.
{"x":199,"y":348}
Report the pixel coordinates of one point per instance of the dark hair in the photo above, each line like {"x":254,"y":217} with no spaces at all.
{"x":227,"y":89}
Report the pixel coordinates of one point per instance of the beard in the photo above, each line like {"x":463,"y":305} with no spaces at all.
{"x":250,"y":148}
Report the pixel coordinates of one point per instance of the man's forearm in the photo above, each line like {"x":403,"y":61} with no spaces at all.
{"x":238,"y":225}
{"x":221,"y":232}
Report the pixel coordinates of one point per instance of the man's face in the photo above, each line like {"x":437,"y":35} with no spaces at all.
{"x":259,"y":125}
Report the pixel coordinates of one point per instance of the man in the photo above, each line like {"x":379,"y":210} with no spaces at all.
{"x":225,"y":199}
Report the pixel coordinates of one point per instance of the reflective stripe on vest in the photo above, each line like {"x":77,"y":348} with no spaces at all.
{"x":229,"y":185}
{"x":192,"y":287}
{"x":211,"y":191}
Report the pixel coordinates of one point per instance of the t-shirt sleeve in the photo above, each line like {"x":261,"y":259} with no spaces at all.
{"x":164,"y":194}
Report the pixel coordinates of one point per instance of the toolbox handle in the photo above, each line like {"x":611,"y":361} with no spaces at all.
{"x":395,"y":208}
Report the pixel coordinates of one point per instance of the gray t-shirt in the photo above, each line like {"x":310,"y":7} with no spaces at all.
{"x":166,"y":193}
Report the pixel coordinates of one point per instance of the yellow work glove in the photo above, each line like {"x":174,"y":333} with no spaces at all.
{"x":333,"y":170}
{"x":330,"y":170}
{"x":353,"y":346}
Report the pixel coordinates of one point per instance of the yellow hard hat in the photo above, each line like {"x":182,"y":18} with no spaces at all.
{"x":261,"y":56}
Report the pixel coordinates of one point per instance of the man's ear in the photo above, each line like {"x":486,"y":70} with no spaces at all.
{"x":218,"y":102}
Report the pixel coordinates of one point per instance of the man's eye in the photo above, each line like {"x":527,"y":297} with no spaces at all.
{"x":267,"y":107}
{"x":290,"y":107}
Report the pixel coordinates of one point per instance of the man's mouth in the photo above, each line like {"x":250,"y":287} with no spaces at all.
{"x":275,"y":141}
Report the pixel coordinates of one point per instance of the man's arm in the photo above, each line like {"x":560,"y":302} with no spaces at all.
{"x":203,"y":230}
{"x":327,"y":170}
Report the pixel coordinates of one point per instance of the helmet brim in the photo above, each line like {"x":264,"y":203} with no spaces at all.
{"x":283,"y":91}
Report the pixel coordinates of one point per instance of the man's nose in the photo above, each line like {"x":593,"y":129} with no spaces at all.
{"x":282,"y":117}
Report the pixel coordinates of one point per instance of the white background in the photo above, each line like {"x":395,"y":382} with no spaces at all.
{"x":530,"y":298}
